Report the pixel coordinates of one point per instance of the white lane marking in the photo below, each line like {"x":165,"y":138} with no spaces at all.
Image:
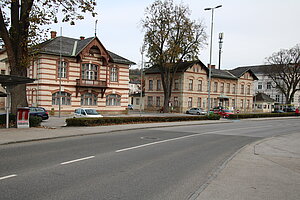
{"x":80,"y":159}
{"x":179,"y":138}
{"x":9,"y":176}
{"x":158,"y":142}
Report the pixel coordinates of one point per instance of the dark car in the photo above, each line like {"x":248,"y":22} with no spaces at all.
{"x":289,"y":109}
{"x":278,"y":111}
{"x":39,"y":112}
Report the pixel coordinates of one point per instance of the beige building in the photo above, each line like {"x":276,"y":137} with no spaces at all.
{"x":74,"y":73}
{"x":229,"y":88}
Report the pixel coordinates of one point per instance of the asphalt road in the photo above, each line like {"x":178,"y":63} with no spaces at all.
{"x":158,"y":163}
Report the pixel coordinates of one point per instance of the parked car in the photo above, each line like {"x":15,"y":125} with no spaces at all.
{"x":196,"y":111}
{"x":39,"y":112}
{"x":278,"y":111}
{"x":225,"y":113}
{"x":289,"y":109}
{"x":130,"y":107}
{"x":86,"y":112}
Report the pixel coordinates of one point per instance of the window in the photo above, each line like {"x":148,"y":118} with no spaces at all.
{"x":268,"y":85}
{"x":248,"y":104}
{"x":228,"y":88}
{"x":158,"y":84}
{"x":158,"y":101}
{"x":248,"y":89}
{"x":63,"y":97}
{"x":113,"y":100}
{"x":199,"y":102}
{"x":114,"y":74}
{"x":150,"y":101}
{"x":242,"y":89}
{"x":137,"y":101}
{"x":242,"y":103}
{"x":222,"y":87}
{"x":190,"y":102}
{"x":62,"y":69}
{"x":200,"y":85}
{"x":215,"y":86}
{"x":88,"y":99}
{"x":190,"y":84}
{"x":2,"y":71}
{"x":89,"y":71}
{"x":259,"y":86}
{"x":233,"y":89}
{"x":176,"y":86}
{"x":176,"y":102}
{"x":150,"y":84}
{"x":233,"y":103}
{"x":277,"y":97}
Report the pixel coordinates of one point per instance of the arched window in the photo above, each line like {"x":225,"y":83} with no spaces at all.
{"x":89,"y":99}
{"x":89,"y":71}
{"x":113,"y":100}
{"x":63,"y":97}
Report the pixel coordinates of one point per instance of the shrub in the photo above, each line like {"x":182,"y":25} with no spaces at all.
{"x":35,"y":121}
{"x":212,"y":116}
{"x":12,"y":118}
{"x":258,"y":115}
{"x":126,"y":120}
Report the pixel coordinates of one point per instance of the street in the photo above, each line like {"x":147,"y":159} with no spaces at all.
{"x":155,"y":163}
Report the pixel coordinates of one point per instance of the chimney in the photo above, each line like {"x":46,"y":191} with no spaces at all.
{"x":211,"y":66}
{"x":53,"y":34}
{"x":82,"y":37}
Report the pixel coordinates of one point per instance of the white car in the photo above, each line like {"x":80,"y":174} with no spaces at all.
{"x":86,"y":112}
{"x":196,"y":111}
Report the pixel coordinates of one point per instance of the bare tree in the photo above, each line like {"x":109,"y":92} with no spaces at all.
{"x":170,"y":37}
{"x":284,"y":70}
{"x":20,"y":26}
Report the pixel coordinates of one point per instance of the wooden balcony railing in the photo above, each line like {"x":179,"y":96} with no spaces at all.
{"x":91,"y":83}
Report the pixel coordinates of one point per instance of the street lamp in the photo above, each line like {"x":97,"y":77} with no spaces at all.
{"x":210,"y":54}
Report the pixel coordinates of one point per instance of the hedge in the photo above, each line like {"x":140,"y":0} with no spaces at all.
{"x":33,"y":120}
{"x":260,"y":115}
{"x":128,"y":120}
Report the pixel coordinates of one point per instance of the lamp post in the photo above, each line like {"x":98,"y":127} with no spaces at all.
{"x":142,"y":68}
{"x":210,"y":54}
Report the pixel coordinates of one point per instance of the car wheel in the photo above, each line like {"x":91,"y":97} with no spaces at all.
{"x":187,"y":112}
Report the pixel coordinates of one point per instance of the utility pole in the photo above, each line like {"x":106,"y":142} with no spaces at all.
{"x":221,"y":36}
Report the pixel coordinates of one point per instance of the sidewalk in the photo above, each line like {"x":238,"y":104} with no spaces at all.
{"x":268,"y":169}
{"x":54,"y":128}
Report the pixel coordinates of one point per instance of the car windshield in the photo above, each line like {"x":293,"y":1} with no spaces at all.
{"x":228,"y":111}
{"x":91,"y":112}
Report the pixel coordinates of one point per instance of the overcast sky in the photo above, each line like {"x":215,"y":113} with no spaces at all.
{"x":253,"y":29}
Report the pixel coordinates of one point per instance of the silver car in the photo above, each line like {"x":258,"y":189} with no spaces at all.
{"x":196,"y":111}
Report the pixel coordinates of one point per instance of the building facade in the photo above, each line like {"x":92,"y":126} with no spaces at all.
{"x":229,"y":88}
{"x":265,"y":85}
{"x":72,"y":73}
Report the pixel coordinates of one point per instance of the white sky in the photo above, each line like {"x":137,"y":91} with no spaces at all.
{"x":253,"y":29}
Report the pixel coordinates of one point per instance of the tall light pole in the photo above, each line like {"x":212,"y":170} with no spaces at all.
{"x":210,"y":54}
{"x":142,"y":68}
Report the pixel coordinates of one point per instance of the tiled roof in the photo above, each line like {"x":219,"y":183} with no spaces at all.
{"x":72,"y":47}
{"x":182,"y":67}
{"x":217,"y":73}
{"x":263,"y":97}
{"x":240,"y":71}
{"x":256,"y":69}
